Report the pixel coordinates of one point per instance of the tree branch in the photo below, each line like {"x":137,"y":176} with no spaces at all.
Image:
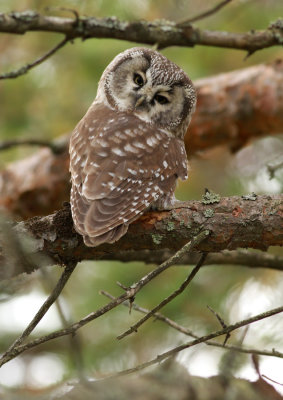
{"x":163,"y":33}
{"x":236,"y":107}
{"x":233,"y":222}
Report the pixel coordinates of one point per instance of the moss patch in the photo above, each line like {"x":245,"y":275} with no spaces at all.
{"x":208,"y":213}
{"x":210,"y":197}
{"x":156,"y":238}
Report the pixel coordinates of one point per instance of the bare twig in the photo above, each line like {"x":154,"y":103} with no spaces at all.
{"x":167,"y":300}
{"x":43,"y":309}
{"x":23,"y":70}
{"x":220,"y":319}
{"x":222,"y":323}
{"x":54,"y":147}
{"x":188,"y":332}
{"x":74,"y":341}
{"x":204,"y":339}
{"x":268,"y":353}
{"x":272,"y":380}
{"x":156,"y":315}
{"x":163,"y":33}
{"x":17,"y":349}
{"x":205,"y":14}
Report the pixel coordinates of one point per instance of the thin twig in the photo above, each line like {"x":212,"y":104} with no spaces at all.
{"x":222,"y":323}
{"x":205,"y":14}
{"x":74,"y":342}
{"x":55,"y":148}
{"x":167,"y":300}
{"x":272,"y":380}
{"x":202,"y":339}
{"x":269,"y":353}
{"x":23,"y":70}
{"x":156,"y":315}
{"x":130,"y":293}
{"x":43,"y":309}
{"x":188,"y":332}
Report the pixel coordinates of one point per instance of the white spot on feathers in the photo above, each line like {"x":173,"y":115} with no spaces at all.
{"x":130,"y":148}
{"x":118,"y":151}
{"x":132,"y":171}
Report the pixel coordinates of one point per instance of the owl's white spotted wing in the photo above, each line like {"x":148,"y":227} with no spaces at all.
{"x":120,"y":165}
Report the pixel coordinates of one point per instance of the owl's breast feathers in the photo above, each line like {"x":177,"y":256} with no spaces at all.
{"x":120,"y":165}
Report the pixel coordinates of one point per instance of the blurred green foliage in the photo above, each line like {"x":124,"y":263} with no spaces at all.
{"x":50,"y":100}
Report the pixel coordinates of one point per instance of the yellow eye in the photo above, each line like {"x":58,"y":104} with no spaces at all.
{"x":138,"y":79}
{"x":161,"y":99}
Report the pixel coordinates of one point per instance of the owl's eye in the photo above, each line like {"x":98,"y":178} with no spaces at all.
{"x":161,"y":99}
{"x":138,"y":79}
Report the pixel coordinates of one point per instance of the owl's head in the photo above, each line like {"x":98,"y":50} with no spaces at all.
{"x":146,"y":83}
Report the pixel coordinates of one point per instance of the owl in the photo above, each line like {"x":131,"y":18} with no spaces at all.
{"x":127,"y":152}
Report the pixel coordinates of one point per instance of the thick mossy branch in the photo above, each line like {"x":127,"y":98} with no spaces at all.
{"x":159,"y":32}
{"x":233,"y":223}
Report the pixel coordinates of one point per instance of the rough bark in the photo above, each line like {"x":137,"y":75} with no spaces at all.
{"x":232,"y":109}
{"x":233,"y":222}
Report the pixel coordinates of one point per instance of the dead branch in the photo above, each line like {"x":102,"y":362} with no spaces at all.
{"x":44,"y":308}
{"x":163,"y":33}
{"x":180,"y":328}
{"x":232,"y":109}
{"x":233,"y":222}
{"x":17,"y":348}
{"x":202,"y":339}
{"x":167,"y":300}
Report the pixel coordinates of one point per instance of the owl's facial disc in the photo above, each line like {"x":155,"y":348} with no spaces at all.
{"x":145,"y":83}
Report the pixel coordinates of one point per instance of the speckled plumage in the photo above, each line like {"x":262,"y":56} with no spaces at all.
{"x":127,"y":152}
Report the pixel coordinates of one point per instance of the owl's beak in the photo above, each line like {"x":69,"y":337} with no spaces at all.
{"x":139,"y":101}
